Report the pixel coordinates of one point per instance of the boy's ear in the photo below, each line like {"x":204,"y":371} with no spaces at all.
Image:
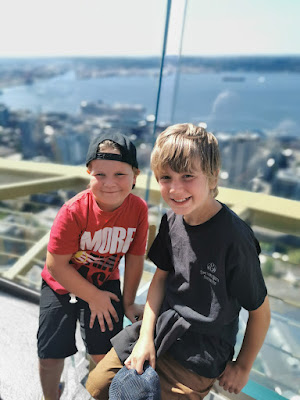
{"x":134,"y":182}
{"x":213,"y":181}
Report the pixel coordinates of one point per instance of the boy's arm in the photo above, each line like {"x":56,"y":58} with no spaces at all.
{"x":144,"y":348}
{"x":236,"y":373}
{"x":99,"y":300}
{"x":132,"y":277}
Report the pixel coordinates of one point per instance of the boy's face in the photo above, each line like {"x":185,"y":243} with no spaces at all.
{"x":111,"y":182}
{"x":188,"y":194}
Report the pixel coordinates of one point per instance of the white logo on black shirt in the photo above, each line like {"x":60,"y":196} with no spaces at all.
{"x":209,"y":276}
{"x":211,"y":267}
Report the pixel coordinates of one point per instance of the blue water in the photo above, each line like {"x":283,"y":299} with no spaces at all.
{"x":269,"y":103}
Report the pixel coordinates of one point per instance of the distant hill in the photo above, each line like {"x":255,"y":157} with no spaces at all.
{"x":213,"y":63}
{"x":245,"y":63}
{"x":194,"y":63}
{"x":17,"y":71}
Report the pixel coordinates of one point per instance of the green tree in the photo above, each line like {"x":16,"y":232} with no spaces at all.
{"x":294,"y":256}
{"x":268,"y":267}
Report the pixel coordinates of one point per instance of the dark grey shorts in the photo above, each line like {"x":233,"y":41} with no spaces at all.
{"x":58,"y":321}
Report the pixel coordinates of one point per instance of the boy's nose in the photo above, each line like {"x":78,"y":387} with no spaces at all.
{"x":109,"y":182}
{"x":176,"y":186}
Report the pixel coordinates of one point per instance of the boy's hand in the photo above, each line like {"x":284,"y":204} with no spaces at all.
{"x":102,"y":308}
{"x":234,"y":378}
{"x":134,"y":312}
{"x":143,"y":350}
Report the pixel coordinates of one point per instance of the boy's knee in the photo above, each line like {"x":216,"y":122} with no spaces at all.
{"x":97,"y":388}
{"x":100,"y":377}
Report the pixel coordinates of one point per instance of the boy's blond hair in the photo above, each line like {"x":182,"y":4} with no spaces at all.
{"x":182,"y":147}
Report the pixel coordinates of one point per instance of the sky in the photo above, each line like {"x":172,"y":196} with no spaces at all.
{"x":136,"y":27}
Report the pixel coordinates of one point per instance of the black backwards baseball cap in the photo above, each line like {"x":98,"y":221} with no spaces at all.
{"x":127,"y":149}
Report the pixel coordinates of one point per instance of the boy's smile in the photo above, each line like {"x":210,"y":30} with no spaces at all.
{"x":188,"y":194}
{"x":181,"y":201}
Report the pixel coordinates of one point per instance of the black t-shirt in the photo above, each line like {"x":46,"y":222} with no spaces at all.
{"x":214,"y":270}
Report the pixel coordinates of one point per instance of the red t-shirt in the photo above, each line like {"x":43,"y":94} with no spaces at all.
{"x":97,"y":239}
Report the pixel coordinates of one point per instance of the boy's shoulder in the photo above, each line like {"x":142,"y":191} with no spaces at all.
{"x":238,"y":231}
{"x":134,"y":200}
{"x":237,"y":224}
{"x":79,"y":199}
{"x":225,"y":223}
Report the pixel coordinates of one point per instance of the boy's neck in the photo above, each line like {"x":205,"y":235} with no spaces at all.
{"x":204,"y":216}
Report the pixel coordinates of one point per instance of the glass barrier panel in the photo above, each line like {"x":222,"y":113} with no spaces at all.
{"x":233,"y":70}
{"x":227,"y":65}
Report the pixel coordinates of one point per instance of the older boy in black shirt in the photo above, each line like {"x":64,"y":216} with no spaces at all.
{"x":208,"y":268}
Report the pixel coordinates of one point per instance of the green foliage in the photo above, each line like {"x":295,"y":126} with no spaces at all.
{"x":294,"y":256}
{"x":266,"y":246}
{"x":268,"y":267}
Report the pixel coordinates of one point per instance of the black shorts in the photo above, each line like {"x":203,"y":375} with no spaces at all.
{"x":58,"y":320}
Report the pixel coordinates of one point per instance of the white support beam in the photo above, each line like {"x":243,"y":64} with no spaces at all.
{"x":26,"y":188}
{"x":24,"y":263}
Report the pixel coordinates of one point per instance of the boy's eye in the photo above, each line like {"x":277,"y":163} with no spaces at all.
{"x":164,"y":178}
{"x":187,"y":176}
{"x":116,"y":174}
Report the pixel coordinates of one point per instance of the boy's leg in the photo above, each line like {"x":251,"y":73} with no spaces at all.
{"x":56,"y":338}
{"x":50,"y":372}
{"x":98,"y":343}
{"x":178,"y":382}
{"x":100,"y":378}
{"x":94,"y":360}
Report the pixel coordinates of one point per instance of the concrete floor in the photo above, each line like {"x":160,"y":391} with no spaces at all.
{"x":19,"y":378}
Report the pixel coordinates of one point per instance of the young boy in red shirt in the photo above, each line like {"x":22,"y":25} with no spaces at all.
{"x":89,"y":236}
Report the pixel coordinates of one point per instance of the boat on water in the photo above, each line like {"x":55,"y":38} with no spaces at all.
{"x":229,"y":78}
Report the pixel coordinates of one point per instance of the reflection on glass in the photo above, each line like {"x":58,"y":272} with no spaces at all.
{"x":248,"y":98}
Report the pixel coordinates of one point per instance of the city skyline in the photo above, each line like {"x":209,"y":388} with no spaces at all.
{"x":136,"y":28}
